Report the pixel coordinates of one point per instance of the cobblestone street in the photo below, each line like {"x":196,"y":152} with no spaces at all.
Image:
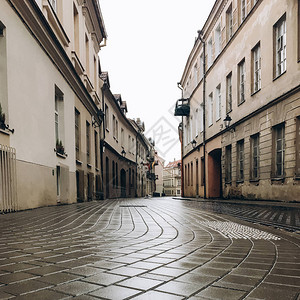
{"x":157,"y":248}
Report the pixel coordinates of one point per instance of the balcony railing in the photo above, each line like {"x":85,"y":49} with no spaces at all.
{"x":182,"y":107}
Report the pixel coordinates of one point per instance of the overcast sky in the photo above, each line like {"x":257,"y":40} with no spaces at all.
{"x":148,"y":44}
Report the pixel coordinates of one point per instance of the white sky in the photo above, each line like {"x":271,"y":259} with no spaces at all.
{"x":148,"y":44}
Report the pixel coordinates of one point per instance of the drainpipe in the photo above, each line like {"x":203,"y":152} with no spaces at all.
{"x":182,"y":174}
{"x":103,"y":139}
{"x":200,"y":37}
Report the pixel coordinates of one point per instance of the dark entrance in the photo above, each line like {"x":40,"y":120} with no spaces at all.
{"x":107,"y":176}
{"x":214,"y":174}
{"x":123,"y":183}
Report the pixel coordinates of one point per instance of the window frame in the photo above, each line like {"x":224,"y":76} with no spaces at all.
{"x":256,"y":71}
{"x":77,"y":134}
{"x":228,"y":164}
{"x":279,"y":54}
{"x":88,"y":142}
{"x":240,"y":170}
{"x":241,"y":81}
{"x":278,"y":141}
{"x":254,"y":157}
{"x":229,"y":93}
{"x":229,"y":23}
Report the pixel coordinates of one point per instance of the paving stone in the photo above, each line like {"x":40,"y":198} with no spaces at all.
{"x":199,"y":280}
{"x":150,"y":295}
{"x":127,"y":271}
{"x":221,"y":293}
{"x":115,"y":292}
{"x":44,"y":295}
{"x":59,"y":278}
{"x":4,"y":295}
{"x":16,"y":277}
{"x":46,"y":270}
{"x":108,"y":265}
{"x":18,"y":267}
{"x":104,"y":278}
{"x":23,"y":287}
{"x":179,"y":288}
{"x":268,"y":291}
{"x":145,"y":265}
{"x":85,"y":271}
{"x":76,"y":288}
{"x":284,"y":280}
{"x":140,"y":283}
{"x":168,"y":271}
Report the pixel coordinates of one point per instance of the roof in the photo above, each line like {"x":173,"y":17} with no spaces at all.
{"x":173,"y":164}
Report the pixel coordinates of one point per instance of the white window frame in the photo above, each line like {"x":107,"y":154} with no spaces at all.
{"x":256,"y":69}
{"x":218,"y":102}
{"x":242,"y":80}
{"x":218,"y":40}
{"x":229,"y":93}
{"x":243,"y":10}
{"x":280,"y":44}
{"x":210,"y":109}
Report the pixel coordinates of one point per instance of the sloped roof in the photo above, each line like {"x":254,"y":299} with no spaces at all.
{"x":173,"y":164}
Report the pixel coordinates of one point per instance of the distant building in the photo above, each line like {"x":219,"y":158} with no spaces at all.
{"x":172,"y":178}
{"x":159,"y":173}
{"x":240,"y":103}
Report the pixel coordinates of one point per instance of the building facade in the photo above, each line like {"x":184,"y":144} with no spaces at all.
{"x":60,"y":125}
{"x":159,"y":173}
{"x":240,"y":103}
{"x":172,"y":178}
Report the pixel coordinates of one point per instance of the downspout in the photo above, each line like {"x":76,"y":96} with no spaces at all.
{"x":182,"y":174}
{"x":103,"y":139}
{"x":136,"y":163}
{"x":200,"y":37}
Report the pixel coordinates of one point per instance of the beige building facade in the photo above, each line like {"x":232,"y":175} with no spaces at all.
{"x":60,"y":140}
{"x":245,"y":65}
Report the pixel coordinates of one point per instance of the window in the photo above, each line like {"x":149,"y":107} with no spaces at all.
{"x":192,"y":174}
{"x":96,"y":149}
{"x":240,"y":160}
{"x":133,"y":146}
{"x":228,"y":164}
{"x":297,"y":172}
{"x":210,"y":109}
{"x":122,"y":137}
{"x":201,"y":66}
{"x":229,"y":23}
{"x":88,"y":143}
{"x":254,"y":157}
{"x":280,"y":46}
{"x":241,"y":82}
{"x":59,"y":115}
{"x":58,"y":181}
{"x":129,"y":143}
{"x":218,"y":40}
{"x":87,"y":55}
{"x":113,"y":174}
{"x":278,"y":150}
{"x":209,"y":53}
{"x":117,"y":130}
{"x":218,"y":102}
{"x":76,"y":29}
{"x":243,"y":10}
{"x":201,"y":118}
{"x":202,"y":180}
{"x":77,"y":134}
{"x":196,"y":74}
{"x":114,"y":126}
{"x":229,"y":93}
{"x":117,"y":175}
{"x":256,"y":69}
{"x":189,"y":174}
{"x":106,"y":117}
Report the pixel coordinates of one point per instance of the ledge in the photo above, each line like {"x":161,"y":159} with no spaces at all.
{"x":4,"y":132}
{"x":64,"y":156}
{"x":89,"y":166}
{"x":78,"y":162}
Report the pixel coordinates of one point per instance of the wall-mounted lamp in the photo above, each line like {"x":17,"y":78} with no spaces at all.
{"x":100,"y":116}
{"x":194,"y":143}
{"x":123,"y":153}
{"x":227,"y":121}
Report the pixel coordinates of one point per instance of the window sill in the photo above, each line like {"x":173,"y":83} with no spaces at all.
{"x":78,"y":162}
{"x":240,"y":181}
{"x":64,"y":156}
{"x":107,"y":129}
{"x":239,"y":104}
{"x":228,"y":182}
{"x":4,"y":132}
{"x":277,"y":180}
{"x":97,"y":169}
{"x":89,"y":166}
{"x":297,"y":177}
{"x":279,"y":75}
{"x":255,"y":92}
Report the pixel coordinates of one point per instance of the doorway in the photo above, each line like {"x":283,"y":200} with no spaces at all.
{"x":123,"y":183}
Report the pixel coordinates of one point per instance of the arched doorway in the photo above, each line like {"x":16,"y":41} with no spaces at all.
{"x":123,"y":183}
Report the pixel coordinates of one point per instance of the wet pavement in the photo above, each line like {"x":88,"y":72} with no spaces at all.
{"x":157,"y":248}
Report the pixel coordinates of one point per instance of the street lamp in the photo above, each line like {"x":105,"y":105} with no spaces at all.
{"x":227,"y":121}
{"x":194,"y":143}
